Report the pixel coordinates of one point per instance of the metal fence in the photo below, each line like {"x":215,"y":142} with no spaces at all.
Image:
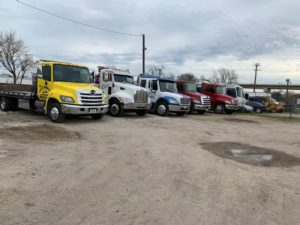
{"x":293,"y":106}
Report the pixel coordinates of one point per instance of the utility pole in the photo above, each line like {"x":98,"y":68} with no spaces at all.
{"x":144,"y":50}
{"x":288,"y":82}
{"x":288,"y":106}
{"x":256,"y":69}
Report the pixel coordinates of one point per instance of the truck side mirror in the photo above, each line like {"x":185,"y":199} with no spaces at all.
{"x":246,"y":96}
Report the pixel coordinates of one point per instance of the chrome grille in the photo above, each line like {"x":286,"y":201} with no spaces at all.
{"x":141,"y":96}
{"x":91,"y":98}
{"x":184,"y":101}
{"x":205,"y":100}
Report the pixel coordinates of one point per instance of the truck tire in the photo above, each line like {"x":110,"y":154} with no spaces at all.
{"x":115,"y":108}
{"x":219,"y":108}
{"x":14,"y":104}
{"x":55,"y":113}
{"x":201,"y":111}
{"x":97,"y":116}
{"x":141,"y":112}
{"x":162,"y":109}
{"x":5,"y":104}
{"x":191,"y":109}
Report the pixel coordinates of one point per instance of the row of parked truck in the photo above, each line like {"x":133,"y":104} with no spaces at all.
{"x":60,"y":89}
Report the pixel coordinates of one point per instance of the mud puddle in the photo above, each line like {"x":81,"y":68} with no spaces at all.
{"x":252,"y":155}
{"x":42,"y":132}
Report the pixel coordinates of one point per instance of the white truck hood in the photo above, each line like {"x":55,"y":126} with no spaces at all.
{"x":128,"y":87}
{"x":177,"y":96}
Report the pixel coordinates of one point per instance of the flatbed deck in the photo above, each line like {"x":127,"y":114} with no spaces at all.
{"x":17,"y":94}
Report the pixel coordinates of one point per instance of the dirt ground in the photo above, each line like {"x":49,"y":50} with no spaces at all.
{"x":199,"y":169}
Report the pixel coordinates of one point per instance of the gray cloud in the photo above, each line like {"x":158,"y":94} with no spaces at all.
{"x":175,"y":32}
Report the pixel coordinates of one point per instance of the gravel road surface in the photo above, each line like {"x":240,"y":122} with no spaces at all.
{"x":192,"y":170}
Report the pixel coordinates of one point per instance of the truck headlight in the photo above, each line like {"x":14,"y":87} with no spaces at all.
{"x":173,"y":101}
{"x":228,"y":102}
{"x":67,"y":99}
{"x":196,"y":101}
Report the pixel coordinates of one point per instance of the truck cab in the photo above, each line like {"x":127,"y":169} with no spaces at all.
{"x":164,"y":96}
{"x":59,"y":89}
{"x":199,"y":102}
{"x":220,"y":102}
{"x":237,"y":91}
{"x":124,"y":95}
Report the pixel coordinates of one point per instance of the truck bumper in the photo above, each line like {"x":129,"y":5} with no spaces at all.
{"x":83,"y":110}
{"x":136,"y":106}
{"x":198,"y":107}
{"x":179,"y":108}
{"x":231,"y":107}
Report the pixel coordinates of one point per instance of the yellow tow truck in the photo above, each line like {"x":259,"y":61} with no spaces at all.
{"x":59,"y":89}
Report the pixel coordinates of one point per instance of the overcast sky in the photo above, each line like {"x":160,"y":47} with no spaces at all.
{"x":184,"y":36}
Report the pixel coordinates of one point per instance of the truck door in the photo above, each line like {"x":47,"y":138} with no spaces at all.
{"x":44,"y":82}
{"x":153,"y":86}
{"x":107,"y":83}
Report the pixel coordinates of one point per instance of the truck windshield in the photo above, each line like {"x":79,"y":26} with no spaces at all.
{"x":221,"y":90}
{"x":66,"y":73}
{"x":167,"y":86}
{"x":240,"y":92}
{"x":123,"y":78}
{"x":231,"y":92}
{"x":190,"y":87}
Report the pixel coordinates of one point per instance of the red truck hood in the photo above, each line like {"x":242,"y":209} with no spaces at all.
{"x":194,"y":95}
{"x":224,"y":97}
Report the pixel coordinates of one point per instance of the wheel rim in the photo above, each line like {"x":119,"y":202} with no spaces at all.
{"x":2,"y":104}
{"x":114,"y":109}
{"x":258,"y":110}
{"x":219,"y":109}
{"x":161,"y":110}
{"x":54,"y":113}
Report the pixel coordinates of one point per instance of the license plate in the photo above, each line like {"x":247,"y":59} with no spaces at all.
{"x":141,"y":105}
{"x":93,"y":110}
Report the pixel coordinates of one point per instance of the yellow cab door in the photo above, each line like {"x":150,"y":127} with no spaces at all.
{"x":44,"y":82}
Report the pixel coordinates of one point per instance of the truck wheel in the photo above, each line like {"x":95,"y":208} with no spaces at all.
{"x":219,"y":108}
{"x":201,"y":111}
{"x":162,"y":109}
{"x":55,"y":114}
{"x":191,"y":109}
{"x":116,"y":109}
{"x":97,"y":116}
{"x":14,"y":104}
{"x":180,"y":113}
{"x":258,"y":111}
{"x":5,"y":104}
{"x":141,"y":112}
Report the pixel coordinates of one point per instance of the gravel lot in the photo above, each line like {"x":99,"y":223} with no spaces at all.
{"x":198,"y":169}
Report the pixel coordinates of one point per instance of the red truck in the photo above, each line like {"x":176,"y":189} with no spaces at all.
{"x":220,"y":102}
{"x":199,"y":102}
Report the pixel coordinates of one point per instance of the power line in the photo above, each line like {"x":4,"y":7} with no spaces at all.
{"x":76,"y":21}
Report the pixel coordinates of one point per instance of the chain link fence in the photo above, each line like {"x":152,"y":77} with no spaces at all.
{"x":293,"y":106}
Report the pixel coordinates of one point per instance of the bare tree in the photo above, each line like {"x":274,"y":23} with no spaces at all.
{"x":188,"y":77}
{"x":13,"y":55}
{"x":224,"y":75}
{"x":156,"y":70}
